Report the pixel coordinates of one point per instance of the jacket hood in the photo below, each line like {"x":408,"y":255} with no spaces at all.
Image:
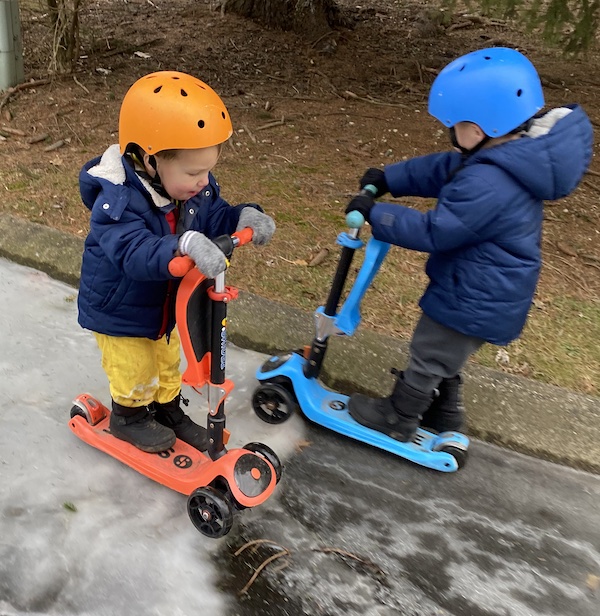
{"x":108,"y":174}
{"x":551,"y":157}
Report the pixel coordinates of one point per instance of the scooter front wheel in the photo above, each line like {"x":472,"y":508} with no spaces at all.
{"x":273,"y":403}
{"x":210,"y":512}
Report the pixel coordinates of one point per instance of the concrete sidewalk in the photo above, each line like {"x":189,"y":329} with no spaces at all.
{"x":514,"y":412}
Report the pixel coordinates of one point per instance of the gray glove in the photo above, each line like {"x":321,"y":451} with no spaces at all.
{"x":262,"y":225}
{"x":208,"y":258}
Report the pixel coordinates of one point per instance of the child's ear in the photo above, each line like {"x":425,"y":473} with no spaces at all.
{"x":149,"y":161}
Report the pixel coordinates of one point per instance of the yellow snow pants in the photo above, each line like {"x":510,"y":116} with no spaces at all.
{"x":140,"y":370}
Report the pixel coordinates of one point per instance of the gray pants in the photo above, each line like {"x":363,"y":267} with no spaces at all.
{"x":437,"y":352}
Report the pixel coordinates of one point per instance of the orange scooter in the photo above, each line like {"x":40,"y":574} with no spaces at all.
{"x":219,"y":482}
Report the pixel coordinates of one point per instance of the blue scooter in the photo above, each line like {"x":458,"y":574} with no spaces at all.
{"x":289,"y":381}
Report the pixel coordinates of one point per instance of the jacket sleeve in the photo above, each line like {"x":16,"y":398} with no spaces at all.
{"x":131,"y":246}
{"x":464,"y":216}
{"x":423,"y":176}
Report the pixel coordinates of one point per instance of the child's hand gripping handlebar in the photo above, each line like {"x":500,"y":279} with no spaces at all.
{"x":355,"y":217}
{"x":180,"y":266}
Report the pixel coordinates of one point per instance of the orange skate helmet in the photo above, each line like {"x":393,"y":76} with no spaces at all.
{"x":172,"y":111}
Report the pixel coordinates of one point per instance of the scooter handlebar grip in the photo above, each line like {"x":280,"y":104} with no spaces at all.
{"x":180,"y":266}
{"x":244,"y":236}
{"x":369,"y":189}
{"x":355,"y":220}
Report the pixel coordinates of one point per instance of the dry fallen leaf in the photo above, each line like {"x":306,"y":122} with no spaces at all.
{"x":300,"y":445}
{"x":593,"y":582}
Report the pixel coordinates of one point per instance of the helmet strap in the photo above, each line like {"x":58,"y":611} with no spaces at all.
{"x":155,"y":181}
{"x":137,"y":154}
{"x":464,"y":151}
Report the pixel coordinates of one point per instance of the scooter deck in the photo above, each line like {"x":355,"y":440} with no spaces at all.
{"x":330,"y":409}
{"x":182,"y":467}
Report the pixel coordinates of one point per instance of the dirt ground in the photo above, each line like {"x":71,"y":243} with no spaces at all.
{"x":309,"y":117}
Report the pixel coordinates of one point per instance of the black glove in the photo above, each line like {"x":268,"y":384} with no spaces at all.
{"x":375,"y":177}
{"x":362,"y":204}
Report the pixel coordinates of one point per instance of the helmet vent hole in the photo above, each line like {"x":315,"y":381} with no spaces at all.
{"x":223,"y":115}
{"x":487,"y":58}
{"x":183,"y":93}
{"x":519,"y":92}
{"x":462,"y":68}
{"x":201,"y":123}
{"x":157,"y":90}
{"x":201,"y":86}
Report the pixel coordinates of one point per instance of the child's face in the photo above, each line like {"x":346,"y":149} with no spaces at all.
{"x":186,"y":174}
{"x":468,"y":135}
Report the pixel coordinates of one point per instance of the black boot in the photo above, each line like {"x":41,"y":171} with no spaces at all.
{"x":447,"y":411}
{"x":136,"y":426}
{"x":397,"y":416}
{"x":170,"y":414}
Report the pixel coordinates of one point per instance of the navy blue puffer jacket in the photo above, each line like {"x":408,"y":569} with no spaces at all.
{"x":124,"y":274}
{"x":484,"y":233}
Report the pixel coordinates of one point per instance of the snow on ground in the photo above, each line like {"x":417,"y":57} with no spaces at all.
{"x":81,"y":533}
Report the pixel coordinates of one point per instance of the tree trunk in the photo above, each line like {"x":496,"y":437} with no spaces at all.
{"x":313,"y":17}
{"x":64,"y":20}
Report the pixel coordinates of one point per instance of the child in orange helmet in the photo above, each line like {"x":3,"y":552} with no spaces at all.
{"x":153,"y":197}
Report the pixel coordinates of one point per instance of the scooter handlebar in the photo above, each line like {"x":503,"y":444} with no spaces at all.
{"x":180,"y":266}
{"x":355,"y":220}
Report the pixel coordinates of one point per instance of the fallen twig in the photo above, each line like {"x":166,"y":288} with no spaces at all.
{"x":38,"y":138}
{"x":252,"y":137}
{"x":12,"y":131}
{"x":287,"y":160}
{"x":376,"y":569}
{"x":260,"y":568}
{"x":255,"y":543}
{"x":80,"y":85}
{"x":22,"y":86}
{"x":55,"y":146}
{"x":271,"y":124}
{"x":590,"y":185}
{"x":373,"y":101}
{"x":589,"y":264}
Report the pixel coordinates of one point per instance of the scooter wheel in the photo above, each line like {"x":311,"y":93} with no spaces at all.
{"x":459,"y":454}
{"x":268,"y":454}
{"x":210,"y":512}
{"x":77,"y":411}
{"x":89,"y":408}
{"x":273,"y":403}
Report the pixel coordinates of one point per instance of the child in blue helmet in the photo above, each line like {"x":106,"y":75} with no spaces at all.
{"x":484,"y":233}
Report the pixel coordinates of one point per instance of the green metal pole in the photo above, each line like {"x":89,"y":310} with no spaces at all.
{"x":11,"y":46}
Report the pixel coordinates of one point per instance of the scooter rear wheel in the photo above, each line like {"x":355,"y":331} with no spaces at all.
{"x":268,"y":454}
{"x":210,"y":512}
{"x":459,"y":454}
{"x":273,"y":403}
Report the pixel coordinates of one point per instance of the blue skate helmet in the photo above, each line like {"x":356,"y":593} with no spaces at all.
{"x":496,"y":88}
